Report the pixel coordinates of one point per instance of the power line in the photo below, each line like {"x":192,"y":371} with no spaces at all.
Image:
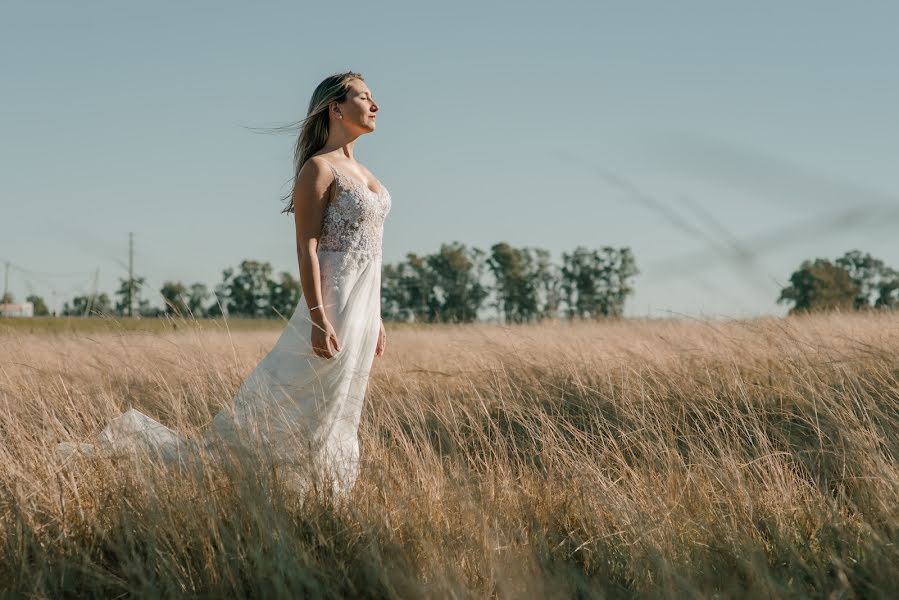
{"x":28,"y":271}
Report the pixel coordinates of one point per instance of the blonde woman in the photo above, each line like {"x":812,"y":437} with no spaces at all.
{"x":304,"y":399}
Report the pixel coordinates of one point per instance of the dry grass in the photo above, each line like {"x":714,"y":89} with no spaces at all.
{"x":673,"y":459}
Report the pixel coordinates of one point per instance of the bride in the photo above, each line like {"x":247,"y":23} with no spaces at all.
{"x":304,"y":399}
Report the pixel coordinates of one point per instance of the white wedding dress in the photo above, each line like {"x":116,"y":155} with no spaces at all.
{"x":302,"y":408}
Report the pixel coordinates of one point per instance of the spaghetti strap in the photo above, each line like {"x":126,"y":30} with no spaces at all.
{"x":333,"y":170}
{"x":338,"y":174}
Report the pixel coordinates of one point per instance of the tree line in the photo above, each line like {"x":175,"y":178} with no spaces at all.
{"x":519,"y":284}
{"x":458,"y":283}
{"x":455,"y":284}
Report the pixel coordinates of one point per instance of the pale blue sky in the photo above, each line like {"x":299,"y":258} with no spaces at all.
{"x":521,"y":122}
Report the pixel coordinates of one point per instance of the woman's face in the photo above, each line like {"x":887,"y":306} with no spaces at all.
{"x":358,"y":111}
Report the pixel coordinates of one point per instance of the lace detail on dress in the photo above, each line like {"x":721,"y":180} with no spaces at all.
{"x":353,"y":226}
{"x":334,"y":265}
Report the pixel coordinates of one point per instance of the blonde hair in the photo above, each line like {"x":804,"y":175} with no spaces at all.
{"x":315,"y":127}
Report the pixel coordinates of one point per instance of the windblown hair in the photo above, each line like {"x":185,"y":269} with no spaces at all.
{"x":314,"y":132}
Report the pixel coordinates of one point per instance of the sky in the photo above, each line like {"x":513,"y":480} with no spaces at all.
{"x":689,"y":132}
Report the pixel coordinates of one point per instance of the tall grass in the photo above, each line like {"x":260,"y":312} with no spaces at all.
{"x":676,"y":459}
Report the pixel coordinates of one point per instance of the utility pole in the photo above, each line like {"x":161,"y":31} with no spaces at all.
{"x":93,"y":296}
{"x":5,"y":282}
{"x":130,"y":271}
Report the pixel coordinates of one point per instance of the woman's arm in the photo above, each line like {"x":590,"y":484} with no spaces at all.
{"x":310,"y":198}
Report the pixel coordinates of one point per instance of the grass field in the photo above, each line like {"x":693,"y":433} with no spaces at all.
{"x":112,"y":324}
{"x":672,"y":459}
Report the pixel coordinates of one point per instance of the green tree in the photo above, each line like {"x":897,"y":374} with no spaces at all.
{"x":174,"y":297}
{"x":129,"y":294}
{"x":871,"y":276}
{"x":99,"y":304}
{"x":457,"y":274}
{"x":245,"y":292}
{"x":407,"y":290}
{"x":197,"y":300}
{"x":147,"y":310}
{"x":549,"y":284}
{"x":40,"y":307}
{"x":445,"y":286}
{"x":888,"y":294}
{"x":595,"y":283}
{"x":284,"y":294}
{"x":521,"y":276}
{"x":7,"y":298}
{"x":820,"y":286}
{"x":394,"y":297}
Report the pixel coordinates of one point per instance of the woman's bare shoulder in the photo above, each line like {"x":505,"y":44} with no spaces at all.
{"x":315,"y":180}
{"x":316,"y":165}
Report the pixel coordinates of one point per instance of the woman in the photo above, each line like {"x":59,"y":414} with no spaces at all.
{"x":304,"y":399}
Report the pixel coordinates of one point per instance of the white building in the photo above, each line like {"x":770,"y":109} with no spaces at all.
{"x":26,"y":309}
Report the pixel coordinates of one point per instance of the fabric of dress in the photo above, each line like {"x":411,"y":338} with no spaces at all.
{"x":302,"y":408}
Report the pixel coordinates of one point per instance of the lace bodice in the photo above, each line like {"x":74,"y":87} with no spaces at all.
{"x":353,"y":223}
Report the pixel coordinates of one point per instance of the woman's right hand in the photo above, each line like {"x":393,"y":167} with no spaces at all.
{"x":324,"y":339}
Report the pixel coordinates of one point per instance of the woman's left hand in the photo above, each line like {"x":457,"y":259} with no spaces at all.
{"x":382,"y":341}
